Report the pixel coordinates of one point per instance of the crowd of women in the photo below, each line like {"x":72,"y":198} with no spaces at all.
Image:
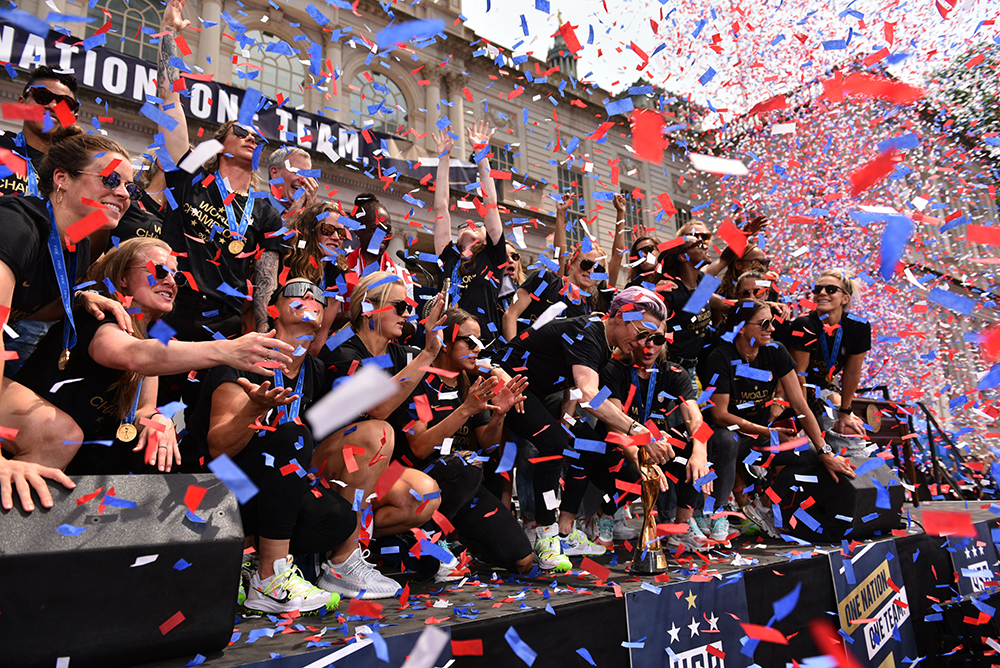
{"x":189,"y":316}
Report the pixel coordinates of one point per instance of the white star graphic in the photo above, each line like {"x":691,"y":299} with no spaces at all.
{"x":713,"y":622}
{"x":967,"y":553}
{"x":674,"y":633}
{"x":694,"y":625}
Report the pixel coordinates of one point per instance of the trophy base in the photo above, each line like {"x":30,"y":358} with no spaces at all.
{"x":655,"y":562}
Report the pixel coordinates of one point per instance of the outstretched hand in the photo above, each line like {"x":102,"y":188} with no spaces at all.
{"x":510,"y":395}
{"x":264,"y":397}
{"x":22,"y":477}
{"x":444,"y":141}
{"x":480,"y":133}
{"x":172,"y":19}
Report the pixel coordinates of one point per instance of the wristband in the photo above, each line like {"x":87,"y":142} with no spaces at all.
{"x":76,"y":297}
{"x":631,"y":427}
{"x":849,"y":410}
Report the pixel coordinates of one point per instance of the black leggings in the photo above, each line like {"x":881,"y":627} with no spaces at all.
{"x":480,"y":521}
{"x":286,"y":507}
{"x":602,"y":470}
{"x":687,"y":495}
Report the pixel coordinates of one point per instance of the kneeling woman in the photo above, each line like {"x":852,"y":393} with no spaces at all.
{"x":107,"y":388}
{"x":648,"y":388}
{"x":745,"y":374}
{"x":469,"y":415}
{"x":257,"y":423}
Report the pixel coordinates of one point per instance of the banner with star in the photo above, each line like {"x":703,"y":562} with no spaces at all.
{"x":973,"y":559}
{"x":873,"y":606}
{"x":688,"y":624}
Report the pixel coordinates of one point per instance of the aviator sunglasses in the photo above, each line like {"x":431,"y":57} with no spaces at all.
{"x":160,"y":273}
{"x":242,"y":133}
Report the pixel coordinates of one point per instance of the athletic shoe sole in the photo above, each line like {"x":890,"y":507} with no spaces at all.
{"x":273,"y":607}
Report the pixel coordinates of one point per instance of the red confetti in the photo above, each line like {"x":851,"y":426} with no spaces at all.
{"x":467,"y":647}
{"x":193,"y":497}
{"x":595,"y":569}
{"x":169,"y":625}
{"x":764,"y":633}
{"x":647,"y":136}
{"x":948,"y":523}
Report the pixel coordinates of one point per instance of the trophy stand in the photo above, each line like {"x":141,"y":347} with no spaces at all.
{"x":655,"y":560}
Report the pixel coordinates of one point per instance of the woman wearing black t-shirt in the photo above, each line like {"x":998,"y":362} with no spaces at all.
{"x":108,"y":386}
{"x":568,"y":353}
{"x":829,"y":342}
{"x":39,"y":265}
{"x":745,"y":370}
{"x":477,"y":263}
{"x":468,"y":415}
{"x":316,"y":253}
{"x":257,"y":422}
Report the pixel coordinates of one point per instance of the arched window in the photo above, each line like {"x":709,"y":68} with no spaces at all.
{"x":268,"y":71}
{"x":132,"y":23}
{"x":377,"y":98}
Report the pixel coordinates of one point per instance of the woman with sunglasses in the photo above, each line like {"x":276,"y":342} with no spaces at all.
{"x":745,"y":370}
{"x":477,"y":263}
{"x":829,"y":342}
{"x":758,"y":285}
{"x":569,"y":353}
{"x":379,"y":309}
{"x":219,"y":227}
{"x":316,"y":253}
{"x":106,"y":393}
{"x":256,"y":419}
{"x":649,"y":388}
{"x":642,"y":261}
{"x":467,"y":412}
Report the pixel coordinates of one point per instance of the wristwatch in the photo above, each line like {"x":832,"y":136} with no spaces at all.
{"x":826,"y":449}
{"x":849,"y":410}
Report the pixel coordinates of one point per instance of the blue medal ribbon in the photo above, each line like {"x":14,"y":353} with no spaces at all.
{"x":647,"y":409}
{"x":130,"y":418}
{"x":293,"y":408}
{"x":238,"y":231}
{"x":32,"y":188}
{"x":828,"y":357}
{"x":62,"y":279}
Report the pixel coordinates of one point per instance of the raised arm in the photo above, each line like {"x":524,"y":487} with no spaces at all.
{"x":176,"y":139}
{"x":849,"y":423}
{"x":442,"y":191}
{"x":479,"y":138}
{"x":265,"y":282}
{"x":618,"y":246}
{"x":509,"y":321}
{"x":559,"y":233}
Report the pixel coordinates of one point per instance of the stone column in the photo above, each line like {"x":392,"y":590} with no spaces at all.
{"x":433,"y":101}
{"x":333,"y":52}
{"x":209,"y":38}
{"x":456,"y":82}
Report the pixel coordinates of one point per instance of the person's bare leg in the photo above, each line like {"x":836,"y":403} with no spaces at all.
{"x":399,"y":510}
{"x":45,"y":434}
{"x":566,"y":520}
{"x":270,"y":551}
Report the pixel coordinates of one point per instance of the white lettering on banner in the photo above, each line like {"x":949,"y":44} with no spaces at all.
{"x":229,"y":107}
{"x":90,"y":68}
{"x":889,"y":618}
{"x":200,"y":104}
{"x":145,"y":83}
{"x":347,"y":144}
{"x":114,"y":75}
{"x":284,"y":122}
{"x":699,"y":657}
{"x":34,"y":53}
{"x":979,"y":581}
{"x":66,"y":52}
{"x":6,"y":43}
{"x":303,"y":130}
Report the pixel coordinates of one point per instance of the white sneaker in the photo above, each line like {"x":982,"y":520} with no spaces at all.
{"x":693,"y":539}
{"x":762,"y":516}
{"x":356,"y":578}
{"x":604,"y":527}
{"x":622,"y":530}
{"x":286,"y":590}
{"x":530,"y":530}
{"x":548,"y":551}
{"x":451,"y":570}
{"x":719,"y":533}
{"x":578,"y":544}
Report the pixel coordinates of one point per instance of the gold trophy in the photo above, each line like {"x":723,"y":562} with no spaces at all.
{"x":655,"y":560}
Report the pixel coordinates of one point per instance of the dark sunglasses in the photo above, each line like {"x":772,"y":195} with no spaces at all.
{"x":587,"y":265}
{"x":645,"y":250}
{"x":514,"y":257}
{"x":704,"y":236}
{"x":44,"y":96}
{"x":829,"y":289}
{"x":765,"y":262}
{"x":401,"y":307}
{"x":243,"y":133}
{"x":300,"y":289}
{"x":653,"y":339}
{"x":160,"y":273}
{"x":470,"y":341}
{"x":766,"y":323}
{"x":328,"y":230}
{"x":114,"y":179}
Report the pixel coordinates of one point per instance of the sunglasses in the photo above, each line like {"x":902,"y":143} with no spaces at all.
{"x":160,"y":273}
{"x":470,"y":341}
{"x":704,"y":236}
{"x":765,"y":324}
{"x":44,"y":96}
{"x":243,"y":133}
{"x":402,"y":308}
{"x":587,"y":265}
{"x":300,"y":289}
{"x":645,"y":336}
{"x":328,"y":230}
{"x":829,"y":289}
{"x":114,"y":179}
{"x":765,"y":262}
{"x":645,"y":250}
{"x":514,"y":257}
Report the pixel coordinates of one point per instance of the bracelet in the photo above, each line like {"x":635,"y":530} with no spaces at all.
{"x":631,"y":427}
{"x":849,"y":410}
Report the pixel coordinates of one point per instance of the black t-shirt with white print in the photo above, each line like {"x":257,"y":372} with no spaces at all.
{"x":855,"y":340}
{"x":750,"y":386}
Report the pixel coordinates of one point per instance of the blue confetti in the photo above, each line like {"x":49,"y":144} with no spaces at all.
{"x":403,"y":32}
{"x":521,"y":648}
{"x":70,"y":530}
{"x":233,"y":477}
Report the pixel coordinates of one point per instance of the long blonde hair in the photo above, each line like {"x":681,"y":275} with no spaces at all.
{"x":111,"y":268}
{"x":377,"y":296}
{"x":846,"y":282}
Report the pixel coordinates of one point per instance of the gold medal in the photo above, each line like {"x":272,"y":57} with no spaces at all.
{"x":127,"y":433}
{"x":236,"y":246}
{"x":63,"y":360}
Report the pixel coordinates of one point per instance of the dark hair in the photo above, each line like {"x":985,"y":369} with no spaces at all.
{"x":637,"y":270}
{"x":304,"y":262}
{"x":44,"y":72}
{"x":368,"y":207}
{"x":72,"y":151}
{"x":212,"y":164}
{"x":740,"y":315}
{"x":454,"y":318}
